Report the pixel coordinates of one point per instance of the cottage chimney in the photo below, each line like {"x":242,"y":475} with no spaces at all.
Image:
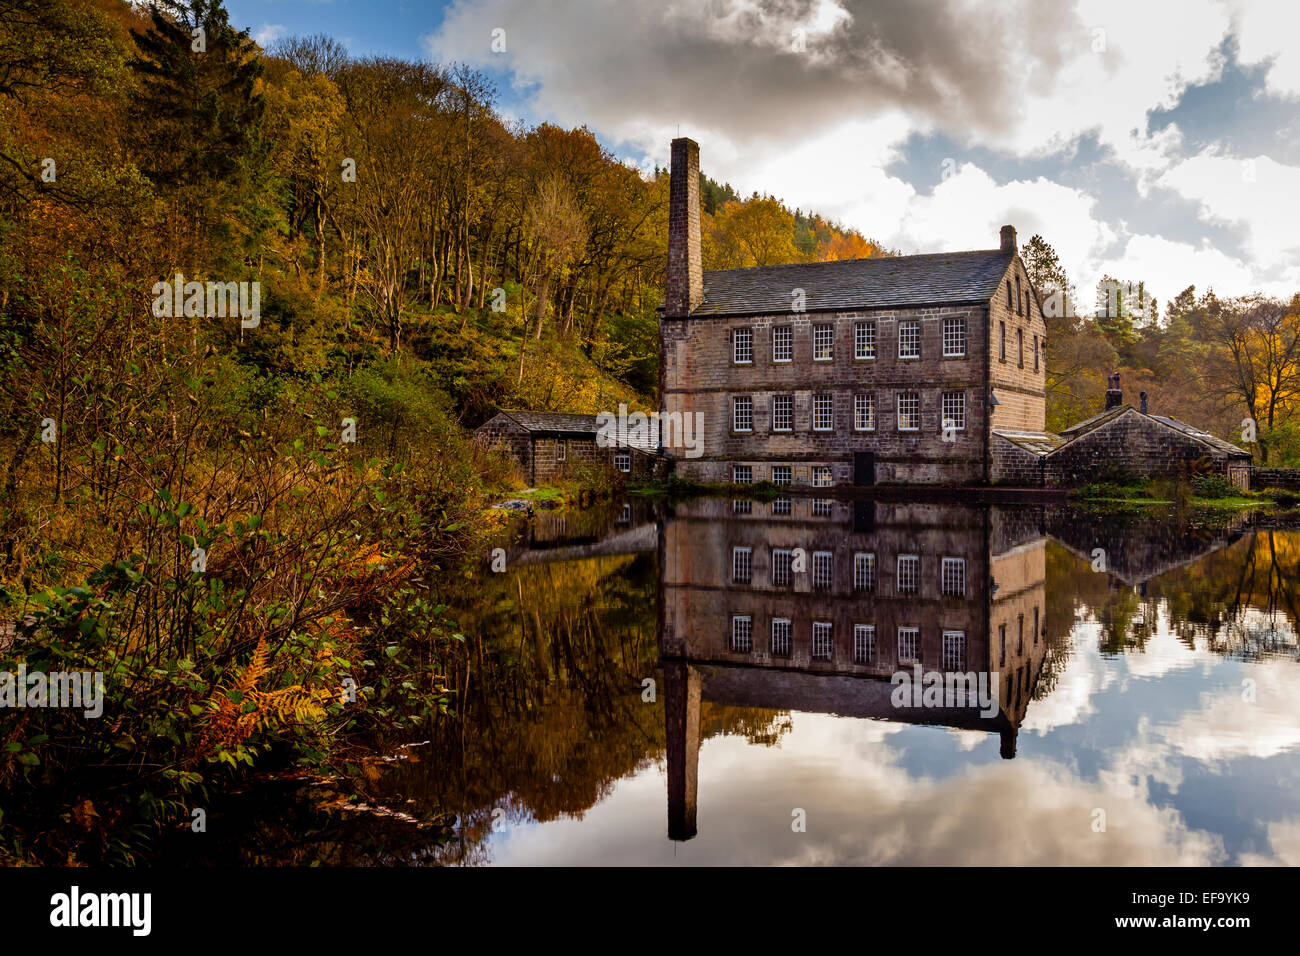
{"x":684,"y":288}
{"x":1143,"y":396}
{"x":1114,"y":396}
{"x":1008,"y":238}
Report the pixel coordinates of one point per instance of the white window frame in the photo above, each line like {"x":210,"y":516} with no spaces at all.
{"x":742,"y":347}
{"x":864,"y":340}
{"x":822,"y":476}
{"x":912,"y":576}
{"x":742,"y":474}
{"x":909,"y":397}
{"x":561,"y":449}
{"x":823,"y":641}
{"x":912,"y":635}
{"x":823,"y":561}
{"x":742,"y":634}
{"x":788,"y":402}
{"x":952,"y":573}
{"x":953,"y":657}
{"x":823,"y":330}
{"x":787,"y":477}
{"x":823,"y":401}
{"x":955,"y":423}
{"x":913,"y":325}
{"x":742,"y":562}
{"x":738,"y":402}
{"x":741,"y":506}
{"x":864,"y":643}
{"x":956,"y":325}
{"x":864,"y":570}
{"x":869,"y":400}
{"x":623,"y":461}
{"x":785,"y":332}
{"x":782,"y":637}
{"x":820,"y":508}
{"x":781,"y":507}
{"x":780,"y":574}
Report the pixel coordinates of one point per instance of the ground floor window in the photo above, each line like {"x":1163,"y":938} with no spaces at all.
{"x":623,"y":461}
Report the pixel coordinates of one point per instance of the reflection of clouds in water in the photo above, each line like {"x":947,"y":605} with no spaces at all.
{"x":1284,"y":841}
{"x":1226,"y":726}
{"x":864,"y":808}
{"x":1071,"y":699}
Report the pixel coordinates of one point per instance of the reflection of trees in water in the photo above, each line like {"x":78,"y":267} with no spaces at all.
{"x":757,"y":725}
{"x":1240,"y":600}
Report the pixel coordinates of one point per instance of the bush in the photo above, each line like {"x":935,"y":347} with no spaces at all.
{"x":1213,"y":486}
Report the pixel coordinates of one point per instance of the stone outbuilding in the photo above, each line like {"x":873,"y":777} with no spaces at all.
{"x":553,"y":445}
{"x":1120,"y":444}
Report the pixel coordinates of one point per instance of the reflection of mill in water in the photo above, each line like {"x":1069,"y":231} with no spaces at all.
{"x":808,"y":605}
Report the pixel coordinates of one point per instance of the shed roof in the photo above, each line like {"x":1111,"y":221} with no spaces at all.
{"x":933,"y":279}
{"x":1213,"y":441}
{"x":1038,"y":443}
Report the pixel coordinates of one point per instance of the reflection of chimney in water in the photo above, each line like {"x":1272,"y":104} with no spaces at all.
{"x":1008,"y":748}
{"x":682,"y":724}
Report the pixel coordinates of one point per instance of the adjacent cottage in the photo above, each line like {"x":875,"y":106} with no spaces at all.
{"x":891,"y":370}
{"x":553,"y":445}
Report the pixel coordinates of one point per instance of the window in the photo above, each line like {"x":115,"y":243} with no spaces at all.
{"x":781,"y":637}
{"x":782,"y":413}
{"x":739,"y":507}
{"x":906,"y":578}
{"x":623,"y":461}
{"x":742,"y":346}
{"x":561,"y":448}
{"x":1020,"y":347}
{"x":954,"y":336}
{"x":954,"y":651}
{"x":1002,"y":346}
{"x":954,"y":411}
{"x":742,"y":474}
{"x":864,"y":413}
{"x":742,"y":414}
{"x":864,"y":340}
{"x":780,"y":474}
{"x":821,"y":476}
{"x":864,"y":643}
{"x":822,"y":567}
{"x":1020,"y":634}
{"x":952,"y":577}
{"x":821,"y":508}
{"x":1035,"y":625}
{"x":780,"y":568}
{"x":781,"y":506}
{"x":1035,"y":352}
{"x":742,"y":634}
{"x":823,"y":413}
{"x":864,"y":571}
{"x":1020,"y":305}
{"x":823,"y":343}
{"x":823,"y":640}
{"x":909,"y":338}
{"x":782,"y":344}
{"x":741,"y":560}
{"x":908,"y":650}
{"x":909,"y":411}
{"x":1009,"y":305}
{"x":1002,"y":644}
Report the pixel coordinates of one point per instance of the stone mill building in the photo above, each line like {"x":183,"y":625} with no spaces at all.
{"x":897,"y":369}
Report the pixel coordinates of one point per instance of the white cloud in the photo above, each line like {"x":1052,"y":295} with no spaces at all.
{"x":268,"y":34}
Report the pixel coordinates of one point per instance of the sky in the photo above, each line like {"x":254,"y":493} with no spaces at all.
{"x":1154,"y":141}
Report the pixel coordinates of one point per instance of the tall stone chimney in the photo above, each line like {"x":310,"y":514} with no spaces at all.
{"x":1008,"y":238}
{"x":1114,"y":396}
{"x":684,"y":288}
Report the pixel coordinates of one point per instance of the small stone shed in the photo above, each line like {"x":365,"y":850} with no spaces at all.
{"x":1121,"y":443}
{"x":554,"y":445}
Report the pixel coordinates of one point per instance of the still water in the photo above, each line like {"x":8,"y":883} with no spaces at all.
{"x":710,"y":683}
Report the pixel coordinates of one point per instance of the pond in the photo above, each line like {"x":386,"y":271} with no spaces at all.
{"x":716,"y":682}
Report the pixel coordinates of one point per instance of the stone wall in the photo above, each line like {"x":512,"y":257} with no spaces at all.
{"x":1275,"y":477}
{"x":699,"y":375}
{"x":1129,"y":446}
{"x":1021,"y":389}
{"x":1013,"y":465}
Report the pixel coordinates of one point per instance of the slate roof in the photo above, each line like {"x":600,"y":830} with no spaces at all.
{"x":944,"y":278}
{"x":565,"y":423}
{"x":1213,"y":441}
{"x":1038,"y":443}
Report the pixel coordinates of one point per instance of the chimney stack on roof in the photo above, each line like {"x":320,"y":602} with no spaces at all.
{"x":1008,"y":238}
{"x":1114,"y":396}
{"x":684,"y":287}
